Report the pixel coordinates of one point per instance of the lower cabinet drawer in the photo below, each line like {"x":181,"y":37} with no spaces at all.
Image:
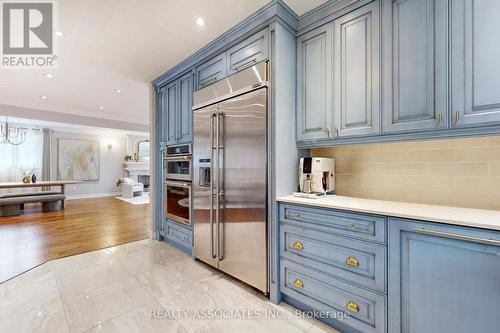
{"x":367,"y":310}
{"x":178,"y":234}
{"x":356,"y":225}
{"x":354,"y":261}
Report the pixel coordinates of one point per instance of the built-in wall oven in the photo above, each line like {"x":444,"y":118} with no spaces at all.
{"x":177,"y":184}
{"x":177,"y":201}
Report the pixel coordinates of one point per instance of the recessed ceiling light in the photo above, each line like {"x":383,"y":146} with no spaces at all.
{"x":48,"y":76}
{"x":43,"y":97}
{"x":118,"y":91}
{"x":200,"y":21}
{"x":59,"y":33}
{"x":101,"y":107}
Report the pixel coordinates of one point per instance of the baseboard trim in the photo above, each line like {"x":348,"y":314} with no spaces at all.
{"x":91,"y":195}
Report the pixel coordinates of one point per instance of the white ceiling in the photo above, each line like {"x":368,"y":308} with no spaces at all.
{"x":73,"y":128}
{"x":122,"y":44}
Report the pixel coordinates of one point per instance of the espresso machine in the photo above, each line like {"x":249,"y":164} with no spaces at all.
{"x":316,"y":176}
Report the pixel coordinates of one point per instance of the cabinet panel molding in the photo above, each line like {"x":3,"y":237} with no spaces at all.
{"x":171,"y":107}
{"x":211,"y":71}
{"x":314,"y":84}
{"x":185,"y":123}
{"x":439,"y":282}
{"x":415,"y":65}
{"x":475,"y":65}
{"x":356,"y":72}
{"x":249,"y":52}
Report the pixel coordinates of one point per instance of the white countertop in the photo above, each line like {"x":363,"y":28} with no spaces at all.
{"x":478,"y":218}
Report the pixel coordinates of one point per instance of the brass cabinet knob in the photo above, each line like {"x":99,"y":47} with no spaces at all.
{"x":351,"y":261}
{"x":352,"y":306}
{"x":298,"y":283}
{"x":353,"y":226}
{"x":298,"y":245}
{"x":439,"y":118}
{"x":297,"y":216}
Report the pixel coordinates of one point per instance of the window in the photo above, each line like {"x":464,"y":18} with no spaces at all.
{"x":24,"y":158}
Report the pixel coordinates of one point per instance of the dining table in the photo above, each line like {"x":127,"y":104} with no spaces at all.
{"x":42,"y":183}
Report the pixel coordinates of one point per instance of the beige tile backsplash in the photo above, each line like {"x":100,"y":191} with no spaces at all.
{"x":461,"y":172}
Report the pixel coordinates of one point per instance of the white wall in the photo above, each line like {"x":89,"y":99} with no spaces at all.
{"x":111,"y":164}
{"x":133,"y":141}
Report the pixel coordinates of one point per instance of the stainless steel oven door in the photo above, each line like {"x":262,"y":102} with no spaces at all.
{"x":178,"y":201}
{"x":177,"y":167}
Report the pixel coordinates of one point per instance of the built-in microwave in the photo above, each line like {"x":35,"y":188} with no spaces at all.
{"x":178,"y":201}
{"x":177,"y":163}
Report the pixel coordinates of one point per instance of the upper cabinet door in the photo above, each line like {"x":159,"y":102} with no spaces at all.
{"x":249,"y":52}
{"x":171,"y":107}
{"x":475,"y":79}
{"x":415,"y":65}
{"x":314,"y":84}
{"x":356,"y":72}
{"x":163,"y":112}
{"x":211,"y":71}
{"x":185,"y":86}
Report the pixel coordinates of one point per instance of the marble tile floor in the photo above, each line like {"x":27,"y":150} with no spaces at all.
{"x":145,"y":286}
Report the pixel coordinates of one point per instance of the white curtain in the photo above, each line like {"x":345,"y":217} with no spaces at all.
{"x":15,"y":161}
{"x":47,"y":154}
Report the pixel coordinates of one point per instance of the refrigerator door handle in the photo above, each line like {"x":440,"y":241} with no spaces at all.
{"x":213,"y":254}
{"x":217,"y":200}
{"x":220,"y":242}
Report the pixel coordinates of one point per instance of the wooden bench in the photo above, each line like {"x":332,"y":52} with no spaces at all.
{"x":11,"y":206}
{"x":27,"y":194}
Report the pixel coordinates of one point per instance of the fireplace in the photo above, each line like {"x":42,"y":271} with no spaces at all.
{"x":139,"y":172}
{"x":144,"y":179}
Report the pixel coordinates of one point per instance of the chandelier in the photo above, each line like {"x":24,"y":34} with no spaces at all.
{"x":11,"y":134}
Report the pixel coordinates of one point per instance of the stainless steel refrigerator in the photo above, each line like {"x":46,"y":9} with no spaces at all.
{"x":230,"y":175}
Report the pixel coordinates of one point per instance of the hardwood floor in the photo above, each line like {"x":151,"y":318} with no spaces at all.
{"x":34,"y":237}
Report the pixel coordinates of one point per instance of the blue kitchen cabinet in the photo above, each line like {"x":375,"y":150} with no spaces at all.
{"x":420,"y":69}
{"x":475,"y":46}
{"x":322,"y":292}
{"x":314,"y":84}
{"x":162,"y":111}
{"x":179,"y":235}
{"x":175,"y":105}
{"x":356,"y":88}
{"x":352,"y":225}
{"x":335,"y":261}
{"x":244,"y":54}
{"x":211,"y":71}
{"x":170,"y":113}
{"x":185,"y":112}
{"x":248,"y":53}
{"x":435,"y":278}
{"x":442,"y":278}
{"x":338,"y":78}
{"x":415,"y":61}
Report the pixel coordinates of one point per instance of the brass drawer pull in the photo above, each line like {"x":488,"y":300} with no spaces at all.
{"x":352,"y":306}
{"x":353,"y":226}
{"x":351,"y":261}
{"x":439,"y":118}
{"x":482,"y":240}
{"x":298,"y":283}
{"x":297,"y":216}
{"x":298,"y":245}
